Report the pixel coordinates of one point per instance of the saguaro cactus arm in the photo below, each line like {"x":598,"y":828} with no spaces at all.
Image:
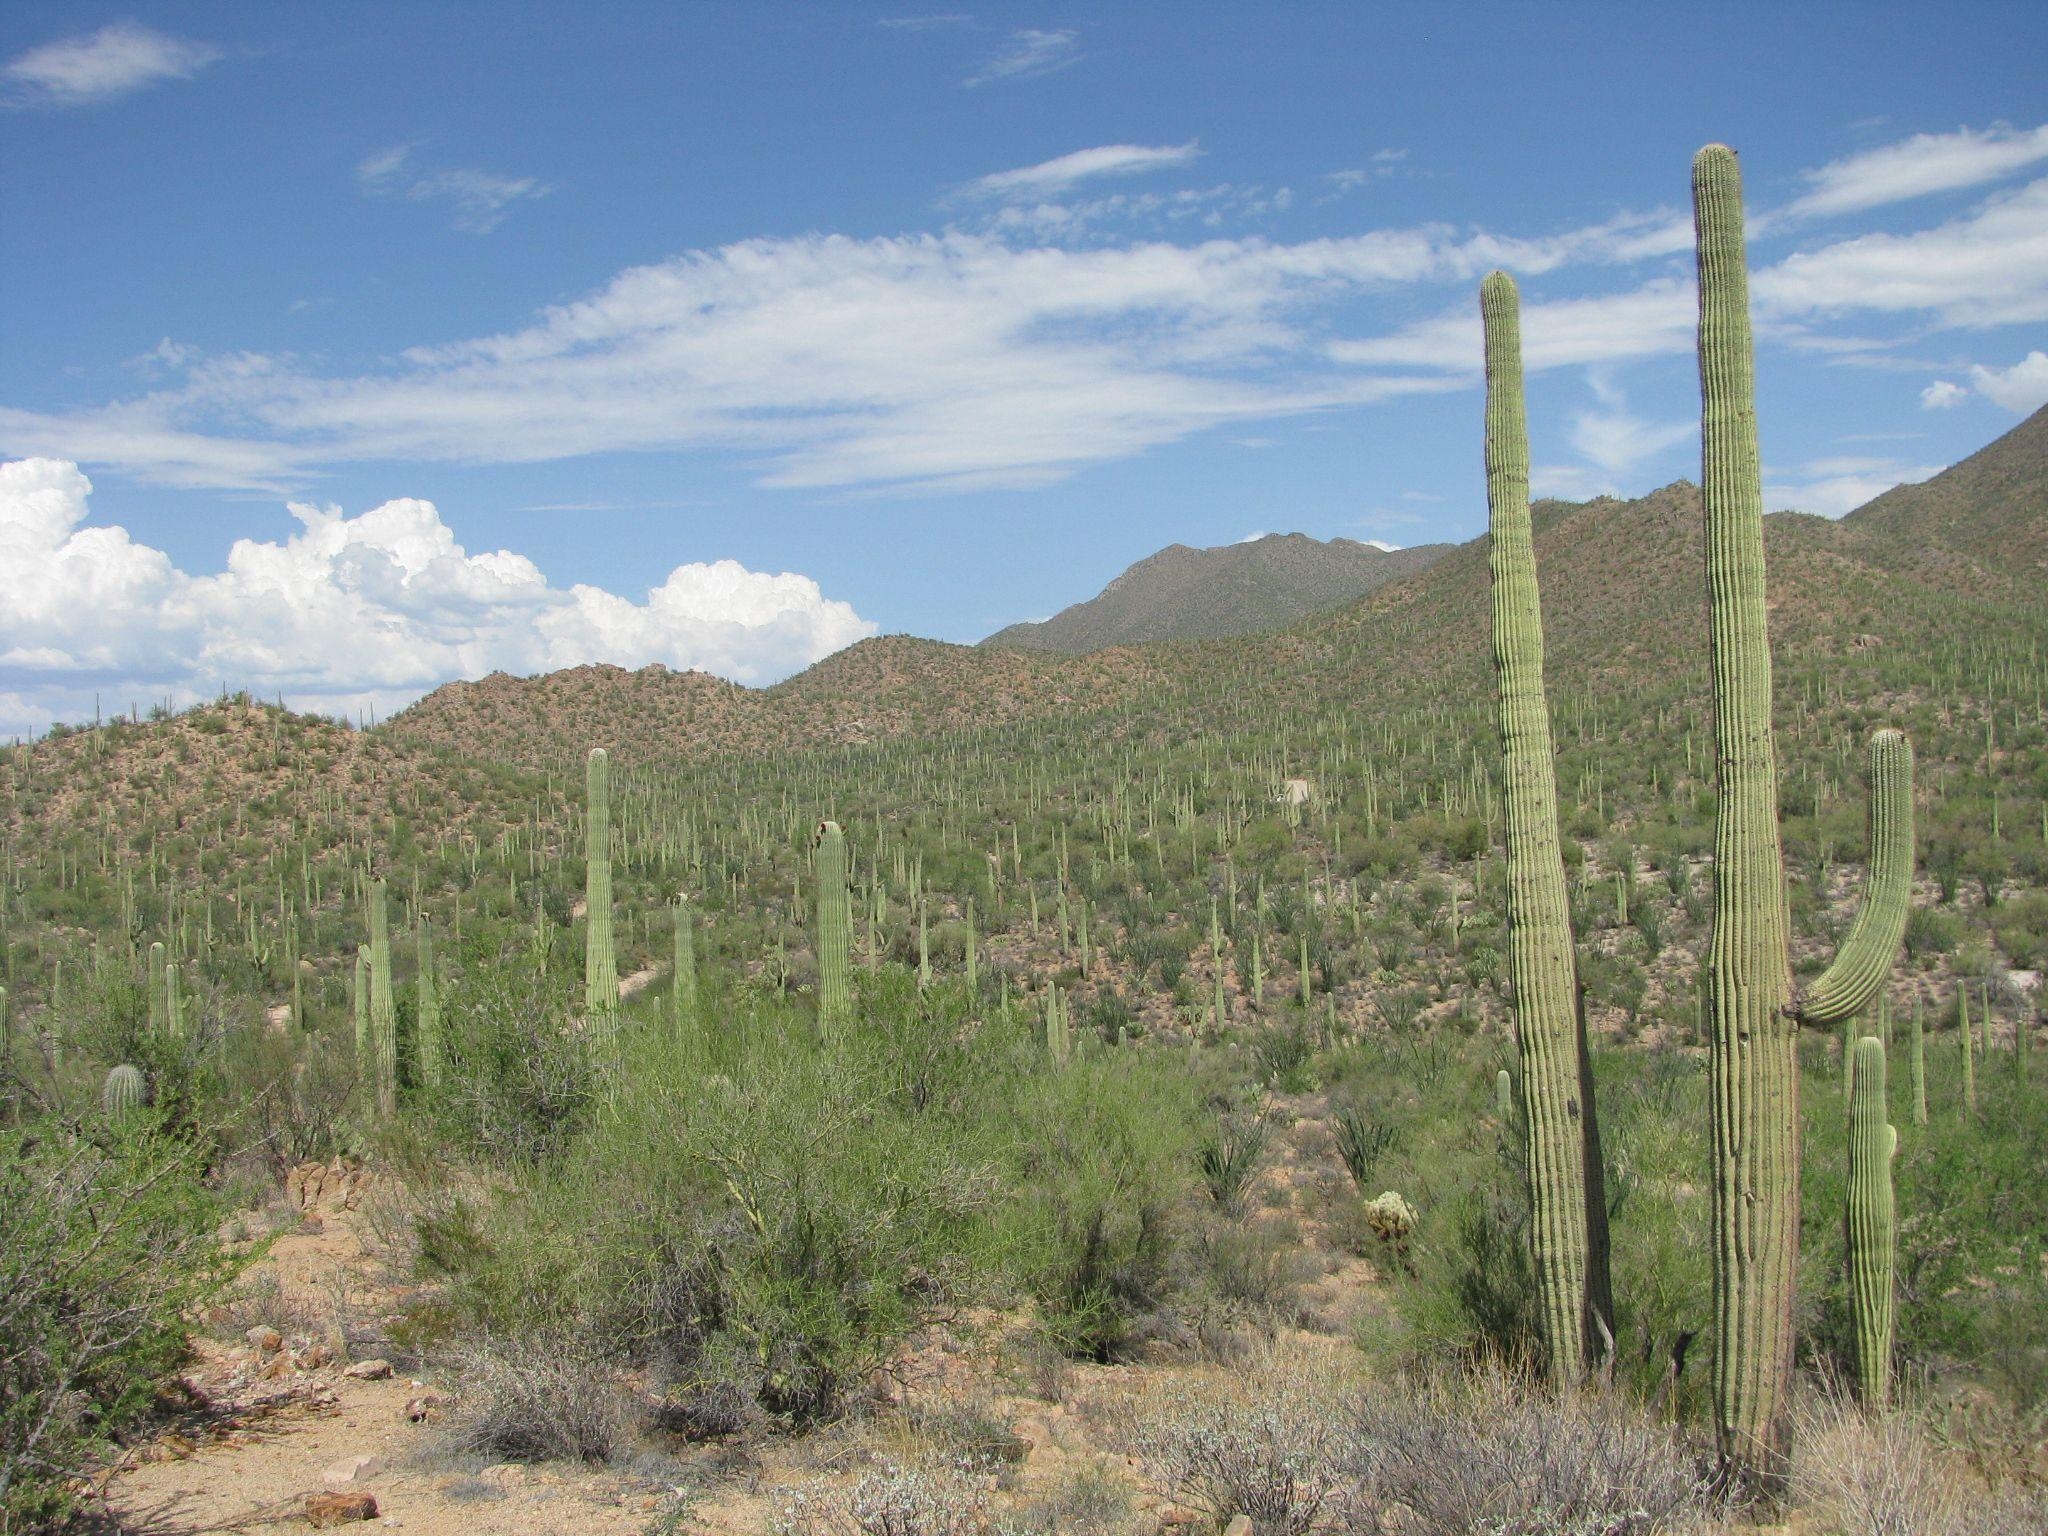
{"x":1845,"y":988}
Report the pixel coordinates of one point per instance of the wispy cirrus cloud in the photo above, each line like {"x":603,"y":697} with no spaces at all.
{"x":481,"y":198}
{"x":1916,"y":167}
{"x":1027,"y":52}
{"x":1050,"y":177}
{"x":93,"y":67}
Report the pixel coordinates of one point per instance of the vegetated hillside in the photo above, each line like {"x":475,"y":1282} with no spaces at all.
{"x":1980,"y":525}
{"x":891,"y":686}
{"x":1234,"y":589}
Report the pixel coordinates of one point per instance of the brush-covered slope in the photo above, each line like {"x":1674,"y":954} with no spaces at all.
{"x":1236,"y":589}
{"x":891,"y":686}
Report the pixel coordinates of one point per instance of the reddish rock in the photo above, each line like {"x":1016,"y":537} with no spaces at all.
{"x":326,"y":1509}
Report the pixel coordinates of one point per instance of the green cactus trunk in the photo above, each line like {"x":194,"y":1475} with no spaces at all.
{"x":1504,"y":1095}
{"x":1969,"y":1050}
{"x":427,"y":1014}
{"x":600,"y":958}
{"x":1573,"y":1300}
{"x":383,"y":1005}
{"x":683,"y":996}
{"x":157,"y":1002}
{"x":835,"y":930}
{"x":1753,"y":1061}
{"x":362,"y":1007}
{"x":973,"y":961}
{"x":1919,"y":1067}
{"x":924,"y":947}
{"x":1870,"y":1236}
{"x":174,"y":1002}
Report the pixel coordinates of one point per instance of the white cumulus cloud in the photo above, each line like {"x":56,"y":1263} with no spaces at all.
{"x":374,"y":609}
{"x":2021,"y":389}
{"x":1836,"y":486}
{"x":1942,"y":394}
{"x":98,"y":66}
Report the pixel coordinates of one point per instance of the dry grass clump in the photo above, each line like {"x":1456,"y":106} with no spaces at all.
{"x":926,"y":1498}
{"x":1859,"y":1474}
{"x":536,"y":1400}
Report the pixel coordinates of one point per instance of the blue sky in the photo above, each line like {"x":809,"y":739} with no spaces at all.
{"x":403,"y":342}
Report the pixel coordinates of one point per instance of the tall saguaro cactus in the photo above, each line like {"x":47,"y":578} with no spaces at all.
{"x":1871,"y":1238}
{"x":835,"y":929}
{"x":427,"y":1013}
{"x":1573,"y":1292}
{"x":600,"y":958}
{"x":383,"y":1006}
{"x":1753,"y":1063}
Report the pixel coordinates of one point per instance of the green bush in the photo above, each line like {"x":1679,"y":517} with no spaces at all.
{"x":106,"y":1246}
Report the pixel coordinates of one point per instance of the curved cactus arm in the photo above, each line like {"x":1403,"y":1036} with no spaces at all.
{"x":1845,"y":988}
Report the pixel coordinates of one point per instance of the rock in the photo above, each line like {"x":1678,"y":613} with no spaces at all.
{"x":303,"y":1185}
{"x":369,"y":1370}
{"x":313,"y":1356}
{"x":420,"y":1407}
{"x":357,"y":1469}
{"x":325,"y":1509}
{"x":1240,"y":1525}
{"x":264,"y":1339}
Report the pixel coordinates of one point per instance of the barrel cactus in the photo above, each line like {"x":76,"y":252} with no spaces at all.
{"x":125,"y":1091}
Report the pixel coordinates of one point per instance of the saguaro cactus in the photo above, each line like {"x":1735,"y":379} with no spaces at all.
{"x":427,"y":1011}
{"x":362,"y":1006}
{"x":1573,"y":1291}
{"x":1919,"y":1067}
{"x":1870,"y":1233}
{"x":1753,"y":1063}
{"x":383,"y":1006}
{"x":158,"y":1006}
{"x":835,"y":929}
{"x":684,"y":994}
{"x":600,"y":958}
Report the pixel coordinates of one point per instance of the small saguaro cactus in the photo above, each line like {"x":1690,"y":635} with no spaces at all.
{"x":1919,"y":1067}
{"x":383,"y":1004}
{"x":1575,"y":1299}
{"x":158,"y":1009}
{"x":427,"y":1010}
{"x":362,"y":1006}
{"x":1504,"y":1095}
{"x":1753,"y":1060}
{"x":1871,"y":1237}
{"x":125,"y":1091}
{"x":600,"y":958}
{"x":684,"y":994}
{"x":835,"y":929}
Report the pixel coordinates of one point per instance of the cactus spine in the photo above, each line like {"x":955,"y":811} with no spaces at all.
{"x":1573,"y":1292}
{"x":383,"y":1006}
{"x":835,"y":929}
{"x":1869,"y":1230}
{"x":684,"y":994}
{"x":124,"y":1092}
{"x":600,"y":959}
{"x":1753,"y":1061}
{"x":427,"y":1033}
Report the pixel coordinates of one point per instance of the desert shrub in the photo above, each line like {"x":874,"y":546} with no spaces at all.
{"x":1483,"y":1451}
{"x":1362,"y":1139}
{"x":925,"y":1499}
{"x":518,"y":1080}
{"x":536,"y":1399}
{"x":1275,"y":1455}
{"x":105,"y":1246}
{"x":1229,"y":1160}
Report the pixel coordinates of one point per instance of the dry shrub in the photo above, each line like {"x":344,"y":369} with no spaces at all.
{"x":536,"y":1400}
{"x":1860,"y":1474}
{"x":1273,"y":1451}
{"x":1482,"y":1451}
{"x":920,"y":1499}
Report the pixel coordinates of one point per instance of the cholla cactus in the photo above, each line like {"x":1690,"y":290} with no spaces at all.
{"x":1391,"y":1219}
